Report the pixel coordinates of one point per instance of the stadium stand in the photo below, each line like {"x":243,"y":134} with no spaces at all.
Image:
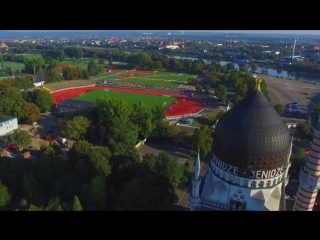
{"x":67,"y":84}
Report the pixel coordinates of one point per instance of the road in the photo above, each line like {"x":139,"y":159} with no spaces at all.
{"x":183,"y":204}
{"x":186,"y":128}
{"x":153,"y":148}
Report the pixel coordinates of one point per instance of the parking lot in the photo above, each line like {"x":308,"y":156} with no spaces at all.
{"x":155,"y":148}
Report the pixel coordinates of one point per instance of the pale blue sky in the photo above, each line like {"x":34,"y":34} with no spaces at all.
{"x":302,"y":32}
{"x":298,"y":32}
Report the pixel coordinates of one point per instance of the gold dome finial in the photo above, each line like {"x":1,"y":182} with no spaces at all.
{"x":258,"y":82}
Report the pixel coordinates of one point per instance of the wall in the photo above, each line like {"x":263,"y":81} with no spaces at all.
{"x":140,"y":143}
{"x":38,"y":84}
{"x":8,"y":126}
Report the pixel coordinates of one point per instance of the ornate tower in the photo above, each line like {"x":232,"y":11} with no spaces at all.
{"x":194,"y":197}
{"x":309,"y":177}
{"x":250,"y":158}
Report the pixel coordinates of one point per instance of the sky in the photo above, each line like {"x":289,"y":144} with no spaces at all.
{"x":298,"y":32}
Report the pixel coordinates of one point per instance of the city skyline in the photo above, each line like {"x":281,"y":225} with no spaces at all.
{"x":300,"y":32}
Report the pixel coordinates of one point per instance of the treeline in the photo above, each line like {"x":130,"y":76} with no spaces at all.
{"x":222,"y":78}
{"x":109,"y":177}
{"x":25,"y":105}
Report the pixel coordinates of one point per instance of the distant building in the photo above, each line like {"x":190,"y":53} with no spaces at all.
{"x":224,"y":108}
{"x":314,"y":54}
{"x":8,"y":124}
{"x":71,"y":105}
{"x":172,"y":46}
{"x":38,"y":81}
{"x":272,"y":52}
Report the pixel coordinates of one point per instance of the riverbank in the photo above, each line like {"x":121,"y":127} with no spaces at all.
{"x":280,"y":67}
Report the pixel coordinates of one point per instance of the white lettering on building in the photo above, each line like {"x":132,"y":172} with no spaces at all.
{"x":254,"y":174}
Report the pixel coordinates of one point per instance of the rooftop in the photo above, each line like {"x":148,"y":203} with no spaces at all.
{"x":71,"y":103}
{"x":6,"y":118}
{"x":37,"y":79}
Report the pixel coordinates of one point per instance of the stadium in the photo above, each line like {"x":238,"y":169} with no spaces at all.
{"x":178,"y":101}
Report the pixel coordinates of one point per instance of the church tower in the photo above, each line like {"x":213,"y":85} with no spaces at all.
{"x":309,"y":177}
{"x":194,"y":197}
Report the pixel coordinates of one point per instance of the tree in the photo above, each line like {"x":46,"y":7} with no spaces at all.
{"x":110,"y":61}
{"x":93,"y":68}
{"x":11,"y":108}
{"x":221,"y":93}
{"x":76,"y":127}
{"x":31,"y":113}
{"x":19,"y":138}
{"x":153,"y":188}
{"x":42,"y":99}
{"x":31,"y":63}
{"x":306,"y":130}
{"x":202,"y":140}
{"x":254,"y":67}
{"x":142,"y":117}
{"x":198,"y":87}
{"x":94,"y":194}
{"x":279,"y":108}
{"x":5,"y":197}
{"x":236,"y":99}
{"x":53,"y":75}
{"x":114,"y":115}
{"x":159,"y":113}
{"x":101,"y":61}
{"x":173,"y":132}
{"x":76,"y":204}
{"x":241,"y":87}
{"x":207,"y":89}
{"x":192,"y":81}
{"x":318,"y":110}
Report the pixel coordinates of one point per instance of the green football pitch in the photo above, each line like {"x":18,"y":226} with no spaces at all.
{"x":131,"y":98}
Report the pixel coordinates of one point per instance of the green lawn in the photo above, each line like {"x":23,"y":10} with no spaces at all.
{"x":30,"y":55}
{"x":70,"y":61}
{"x":131,"y":98}
{"x":15,"y":65}
{"x":105,"y":75}
{"x":162,"y":79}
{"x":209,"y":120}
{"x":83,"y":66}
{"x":142,"y":81}
{"x":167,"y":76}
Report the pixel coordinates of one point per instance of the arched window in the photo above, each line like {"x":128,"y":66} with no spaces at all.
{"x":253,"y":184}
{"x":230,"y":178}
{"x":224,"y":176}
{"x":237,"y":181}
{"x":261,"y":184}
{"x":244,"y":205}
{"x":245,"y":183}
{"x":274,"y":181}
{"x":268,"y":183}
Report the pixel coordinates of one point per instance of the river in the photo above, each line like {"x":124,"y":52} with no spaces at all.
{"x":272,"y":72}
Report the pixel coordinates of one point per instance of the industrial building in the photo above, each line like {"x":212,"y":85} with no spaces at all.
{"x":8,"y":124}
{"x":71,"y":105}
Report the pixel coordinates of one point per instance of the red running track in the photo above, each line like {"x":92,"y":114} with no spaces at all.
{"x":187,"y":106}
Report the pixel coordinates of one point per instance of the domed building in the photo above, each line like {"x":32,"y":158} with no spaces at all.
{"x":250,"y":160}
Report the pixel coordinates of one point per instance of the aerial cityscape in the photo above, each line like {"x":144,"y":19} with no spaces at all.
{"x":159,"y":120}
